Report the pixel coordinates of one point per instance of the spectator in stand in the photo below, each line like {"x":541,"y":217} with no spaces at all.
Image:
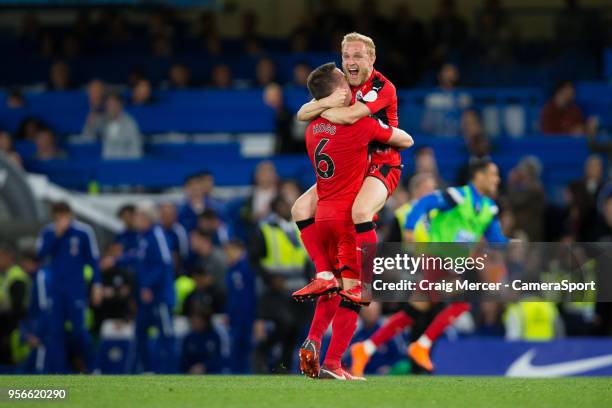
{"x":204,"y":255}
{"x":179,"y":77}
{"x":6,"y":148}
{"x":421,"y":184}
{"x":449,"y":30}
{"x":286,"y":140}
{"x":476,"y":142}
{"x":425,"y":163}
{"x":96,"y":95}
{"x":210,"y":223}
{"x":257,"y":205}
{"x":202,"y":349}
{"x":289,"y":190}
{"x":14,"y":291}
{"x":15,"y":99}
{"x":176,"y":235}
{"x":240,"y":306}
{"x":443,"y":108}
{"x":121,"y":138}
{"x":198,"y":190}
{"x":46,"y":147}
{"x":136,"y":74}
{"x":205,"y":295}
{"x":561,"y":115}
{"x":59,"y":77}
{"x":527,"y":198}
{"x":142,"y":93}
{"x":583,"y":199}
{"x":265,"y":72}
{"x":28,"y":128}
{"x":221,"y":77}
{"x":301,"y":70}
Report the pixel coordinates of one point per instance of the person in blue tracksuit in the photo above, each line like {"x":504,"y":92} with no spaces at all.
{"x":198,"y":189}
{"x":127,"y":239}
{"x":34,"y":328}
{"x":201,"y":352}
{"x":66,"y":247}
{"x":176,"y":235}
{"x":155,"y":294}
{"x":240,"y":305}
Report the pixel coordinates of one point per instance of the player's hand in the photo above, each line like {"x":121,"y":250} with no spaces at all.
{"x":62,"y":223}
{"x":409,"y":235}
{"x":97,"y":294}
{"x":336,"y":99}
{"x":146,"y":295}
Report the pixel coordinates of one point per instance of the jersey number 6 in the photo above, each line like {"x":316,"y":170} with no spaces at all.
{"x":324,"y":163}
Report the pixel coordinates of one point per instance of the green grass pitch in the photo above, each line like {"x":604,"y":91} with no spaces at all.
{"x":296,"y":391}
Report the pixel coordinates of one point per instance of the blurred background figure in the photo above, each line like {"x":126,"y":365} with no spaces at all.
{"x":67,"y":247}
{"x":280,"y":262}
{"x":121,"y":138}
{"x":155,"y":295}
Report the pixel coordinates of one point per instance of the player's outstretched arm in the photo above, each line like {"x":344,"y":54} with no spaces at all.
{"x":347,"y":115}
{"x":400,"y":139}
{"x":315,"y":108}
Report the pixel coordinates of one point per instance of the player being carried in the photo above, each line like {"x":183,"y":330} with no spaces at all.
{"x":371,"y":95}
{"x":339,"y":156}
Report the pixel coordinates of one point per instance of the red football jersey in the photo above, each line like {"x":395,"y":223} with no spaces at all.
{"x":379,"y":95}
{"x":340,"y":158}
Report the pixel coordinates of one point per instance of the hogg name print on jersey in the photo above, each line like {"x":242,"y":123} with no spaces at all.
{"x":339,"y":157}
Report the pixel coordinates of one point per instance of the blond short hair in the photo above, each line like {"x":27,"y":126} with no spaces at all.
{"x":369,"y":43}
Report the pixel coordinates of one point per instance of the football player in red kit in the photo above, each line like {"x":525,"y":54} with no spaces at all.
{"x":372,"y":95}
{"x":339,"y":156}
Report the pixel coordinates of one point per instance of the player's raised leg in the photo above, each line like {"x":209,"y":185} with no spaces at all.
{"x":362,"y":351}
{"x":419,"y":350}
{"x":303,"y":212}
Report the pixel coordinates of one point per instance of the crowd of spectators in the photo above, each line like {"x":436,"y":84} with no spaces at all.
{"x":223,"y":263}
{"x":409,"y":51}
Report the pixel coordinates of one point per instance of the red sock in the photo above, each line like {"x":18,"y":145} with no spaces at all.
{"x":366,"y":248}
{"x":312,"y":243}
{"x":324,"y":313}
{"x":395,"y":324}
{"x":444,"y":319}
{"x":343,"y":328}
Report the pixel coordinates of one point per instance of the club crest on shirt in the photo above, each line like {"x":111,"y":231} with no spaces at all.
{"x":370,"y":96}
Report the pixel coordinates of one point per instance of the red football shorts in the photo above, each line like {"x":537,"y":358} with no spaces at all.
{"x":389,"y":175}
{"x":338,"y":239}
